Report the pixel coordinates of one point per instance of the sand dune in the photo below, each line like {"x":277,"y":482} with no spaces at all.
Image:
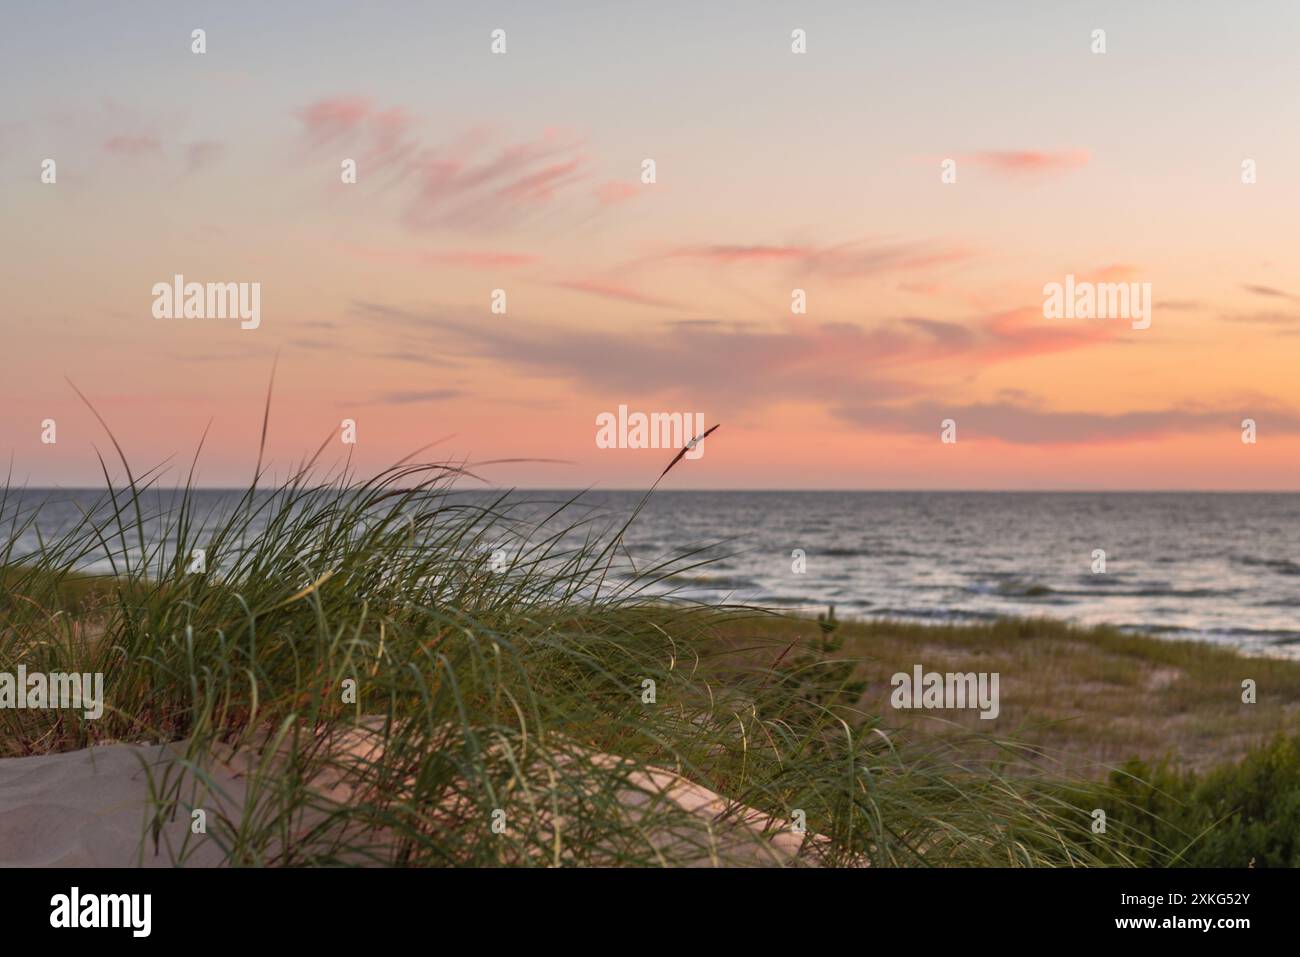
{"x":90,"y":808}
{"x":87,"y":809}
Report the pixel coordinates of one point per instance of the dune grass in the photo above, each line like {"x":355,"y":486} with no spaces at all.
{"x":1087,"y":699}
{"x":514,"y":681}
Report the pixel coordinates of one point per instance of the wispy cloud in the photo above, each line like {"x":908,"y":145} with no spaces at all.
{"x":613,"y":290}
{"x":1021,"y":162}
{"x":328,"y":120}
{"x":133,"y":145}
{"x":490,"y":259}
{"x":743,"y":364}
{"x":1022,"y":424}
{"x":615,"y":191}
{"x":1115,"y":272}
{"x":853,"y":259}
{"x":414,"y":397}
{"x":421,"y":358}
{"x":472,"y":181}
{"x":1269,"y":291}
{"x":501,"y":189}
{"x":1262,"y":318}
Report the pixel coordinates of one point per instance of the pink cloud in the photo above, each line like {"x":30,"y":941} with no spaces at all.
{"x":1017,"y":422}
{"x":330,"y":119}
{"x":470,"y":258}
{"x":464,"y":183}
{"x":1011,"y":162}
{"x":456,"y":182}
{"x":467,"y":191}
{"x":747,"y":364}
{"x":1115,"y":272}
{"x":482,"y":259}
{"x":732,"y":254}
{"x":1023,"y":332}
{"x":543,"y":184}
{"x":133,"y":146}
{"x":388,"y":130}
{"x":354,"y":121}
{"x":613,"y":290}
{"x":855,"y":259}
{"x":615,"y":191}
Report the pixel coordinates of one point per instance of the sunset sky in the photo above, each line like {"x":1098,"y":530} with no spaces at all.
{"x":775,"y":171}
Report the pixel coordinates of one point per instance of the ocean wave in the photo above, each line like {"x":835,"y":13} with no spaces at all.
{"x":1282,"y":566}
{"x":715,"y":582}
{"x":1156,"y":591}
{"x":1012,"y":588}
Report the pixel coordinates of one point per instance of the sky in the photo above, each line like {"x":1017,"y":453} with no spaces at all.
{"x":774,"y":171}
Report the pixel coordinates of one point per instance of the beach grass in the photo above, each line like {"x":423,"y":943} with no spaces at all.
{"x":1086,"y":699}
{"x":407,"y":676}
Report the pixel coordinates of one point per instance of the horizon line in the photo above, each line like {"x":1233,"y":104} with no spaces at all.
{"x":661,"y":491}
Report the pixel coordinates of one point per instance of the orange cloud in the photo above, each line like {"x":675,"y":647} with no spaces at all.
{"x":471,"y":258}
{"x":853,"y":259}
{"x":615,"y":191}
{"x":613,"y":290}
{"x":1011,"y":162}
{"x":1022,"y":423}
{"x":742,"y":364}
{"x":1116,"y":272}
{"x":1017,"y":333}
{"x":732,"y":254}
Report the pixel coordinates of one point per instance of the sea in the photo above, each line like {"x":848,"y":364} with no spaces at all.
{"x":1219,"y":567}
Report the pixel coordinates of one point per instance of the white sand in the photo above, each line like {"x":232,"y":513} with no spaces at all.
{"x":88,"y":809}
{"x":85,"y":809}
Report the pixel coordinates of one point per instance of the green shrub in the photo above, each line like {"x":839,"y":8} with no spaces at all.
{"x":1240,"y":815}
